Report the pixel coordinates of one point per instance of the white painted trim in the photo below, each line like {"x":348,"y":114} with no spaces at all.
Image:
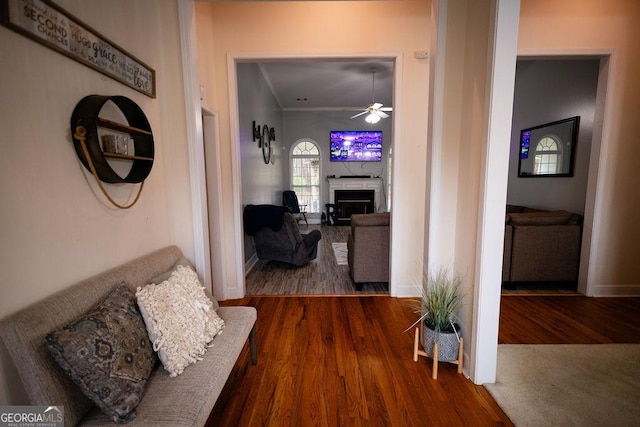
{"x":310,"y":215}
{"x":437,"y":63}
{"x":302,"y":56}
{"x":233,"y":58}
{"x":493,"y":193}
{"x":405,"y":291}
{"x":586,"y":53}
{"x":239,"y":290}
{"x":375,"y":184}
{"x":195,"y":142}
{"x":211,"y":134}
{"x":628,"y":290}
{"x":266,"y":78}
{"x":592,"y":223}
{"x":394,"y":255}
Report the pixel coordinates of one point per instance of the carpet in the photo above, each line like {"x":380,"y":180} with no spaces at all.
{"x":569,"y":384}
{"x":340,"y":252}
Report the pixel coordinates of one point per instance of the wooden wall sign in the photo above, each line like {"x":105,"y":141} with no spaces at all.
{"x":52,"y":26}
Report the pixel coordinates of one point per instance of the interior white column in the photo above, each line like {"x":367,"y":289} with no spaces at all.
{"x":493,"y":193}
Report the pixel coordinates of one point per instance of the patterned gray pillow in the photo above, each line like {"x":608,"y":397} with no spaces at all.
{"x":107,"y":353}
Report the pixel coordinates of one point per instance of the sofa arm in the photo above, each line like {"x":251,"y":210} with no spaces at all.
{"x":368,"y":254}
{"x":545,"y":253}
{"x":370,"y":220}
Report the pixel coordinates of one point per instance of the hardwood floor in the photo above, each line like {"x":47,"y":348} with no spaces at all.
{"x":570,"y":319}
{"x":336,"y":361}
{"x":323,"y":276}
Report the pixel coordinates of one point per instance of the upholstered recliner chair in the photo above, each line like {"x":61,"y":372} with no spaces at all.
{"x":277,"y":237}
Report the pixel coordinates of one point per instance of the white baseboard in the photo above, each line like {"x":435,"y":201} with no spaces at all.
{"x":616,"y":290}
{"x":405,"y":291}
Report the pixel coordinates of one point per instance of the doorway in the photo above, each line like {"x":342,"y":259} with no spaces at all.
{"x":315,"y":123}
{"x":549,"y":89}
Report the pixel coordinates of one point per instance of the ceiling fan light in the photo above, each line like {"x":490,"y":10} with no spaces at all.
{"x":372,"y":118}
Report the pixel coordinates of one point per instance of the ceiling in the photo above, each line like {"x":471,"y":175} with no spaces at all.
{"x":329,"y":85}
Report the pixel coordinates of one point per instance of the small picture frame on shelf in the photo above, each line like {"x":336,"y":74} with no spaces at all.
{"x":115,"y":144}
{"x":122,"y":142}
{"x":109,"y":144}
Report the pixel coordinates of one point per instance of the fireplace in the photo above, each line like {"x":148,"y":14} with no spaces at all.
{"x":350,"y":202}
{"x":357,"y":195}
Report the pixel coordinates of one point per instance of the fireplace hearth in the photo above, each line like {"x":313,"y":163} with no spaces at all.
{"x":350,"y":202}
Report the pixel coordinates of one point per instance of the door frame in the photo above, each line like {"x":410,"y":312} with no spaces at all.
{"x":594,"y":198}
{"x":235,"y":58}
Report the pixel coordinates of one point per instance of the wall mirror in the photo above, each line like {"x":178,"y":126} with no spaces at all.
{"x":549,"y":149}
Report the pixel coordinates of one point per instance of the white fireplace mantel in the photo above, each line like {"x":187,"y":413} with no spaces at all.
{"x":374,"y":184}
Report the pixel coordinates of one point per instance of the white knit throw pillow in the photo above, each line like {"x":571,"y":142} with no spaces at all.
{"x":180,"y":319}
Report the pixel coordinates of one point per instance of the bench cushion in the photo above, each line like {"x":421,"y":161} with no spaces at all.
{"x":186,"y":400}
{"x":189,"y":398}
{"x":23,"y":333}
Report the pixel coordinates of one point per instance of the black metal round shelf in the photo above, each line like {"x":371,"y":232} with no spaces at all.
{"x":87,"y":113}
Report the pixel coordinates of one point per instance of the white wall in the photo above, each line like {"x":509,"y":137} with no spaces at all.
{"x":316,"y":125}
{"x":261,"y":183}
{"x":56,"y":227}
{"x":547,"y":91}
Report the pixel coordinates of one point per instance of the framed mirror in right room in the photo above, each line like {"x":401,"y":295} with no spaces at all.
{"x":548,"y":150}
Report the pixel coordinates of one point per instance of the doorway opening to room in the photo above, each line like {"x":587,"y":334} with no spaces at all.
{"x":547,"y":238}
{"x":305,"y":99}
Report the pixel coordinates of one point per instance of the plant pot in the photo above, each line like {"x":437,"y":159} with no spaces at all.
{"x":448,"y":344}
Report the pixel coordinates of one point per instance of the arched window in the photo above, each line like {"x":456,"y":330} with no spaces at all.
{"x":547,"y":156}
{"x":305,"y":174}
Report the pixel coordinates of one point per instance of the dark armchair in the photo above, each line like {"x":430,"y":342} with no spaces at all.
{"x":290,"y":200}
{"x":277,"y":237}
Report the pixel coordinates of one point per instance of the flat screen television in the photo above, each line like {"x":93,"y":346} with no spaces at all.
{"x":356,"y":146}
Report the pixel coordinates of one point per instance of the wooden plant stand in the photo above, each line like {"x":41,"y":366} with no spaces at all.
{"x":417,"y":352}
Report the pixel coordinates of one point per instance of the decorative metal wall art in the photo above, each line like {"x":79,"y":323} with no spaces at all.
{"x":264,"y":136}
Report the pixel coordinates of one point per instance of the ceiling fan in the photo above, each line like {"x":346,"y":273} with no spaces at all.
{"x":375,"y":111}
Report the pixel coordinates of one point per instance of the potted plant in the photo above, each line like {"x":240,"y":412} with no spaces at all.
{"x":438,"y":303}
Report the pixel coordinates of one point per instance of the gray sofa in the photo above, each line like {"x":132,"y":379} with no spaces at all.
{"x":368,"y":248}
{"x":186,"y":400}
{"x":541,"y":246}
